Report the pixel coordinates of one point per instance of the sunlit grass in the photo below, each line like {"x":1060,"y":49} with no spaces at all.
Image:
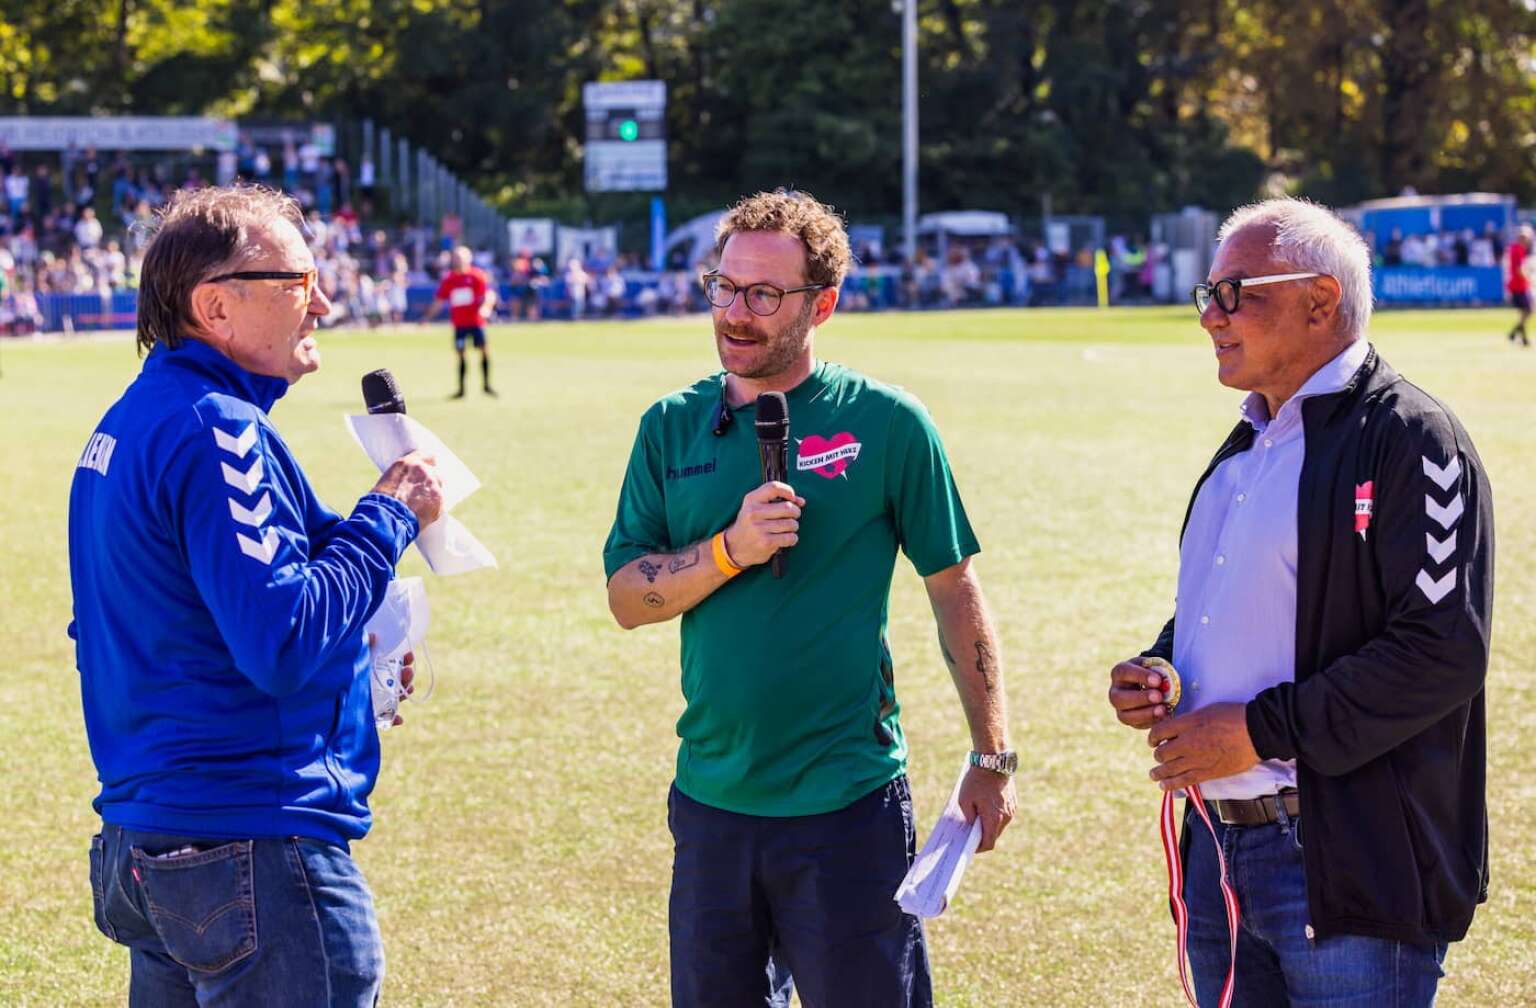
{"x":521,"y":856}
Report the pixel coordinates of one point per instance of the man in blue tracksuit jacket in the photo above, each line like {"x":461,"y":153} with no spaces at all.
{"x":219,"y":609}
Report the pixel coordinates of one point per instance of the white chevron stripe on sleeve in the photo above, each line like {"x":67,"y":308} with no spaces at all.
{"x":238,"y":446}
{"x":257,"y":516}
{"x":1445,"y":514}
{"x":249,"y":480}
{"x":264,"y":550}
{"x":1440,"y":550}
{"x":1443,"y":477}
{"x":1432,"y":589}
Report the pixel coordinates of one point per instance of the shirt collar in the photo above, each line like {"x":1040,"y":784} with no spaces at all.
{"x":812,"y":386}
{"x":197,"y":357}
{"x":1332,"y":377}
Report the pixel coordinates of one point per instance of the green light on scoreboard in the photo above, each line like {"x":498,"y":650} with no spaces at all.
{"x":629,"y":130}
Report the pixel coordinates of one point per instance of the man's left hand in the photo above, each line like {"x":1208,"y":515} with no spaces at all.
{"x":1201,"y":745}
{"x":989,"y":795}
{"x":407,"y":675}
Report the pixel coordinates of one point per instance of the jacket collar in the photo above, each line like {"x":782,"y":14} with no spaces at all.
{"x":1369,"y":379}
{"x":198,"y":358}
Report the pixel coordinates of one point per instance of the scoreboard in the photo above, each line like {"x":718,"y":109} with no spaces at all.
{"x":626,"y":137}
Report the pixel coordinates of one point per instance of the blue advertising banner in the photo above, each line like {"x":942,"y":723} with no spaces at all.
{"x":1393,"y":285}
{"x":88,"y":311}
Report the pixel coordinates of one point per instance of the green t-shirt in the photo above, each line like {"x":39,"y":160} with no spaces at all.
{"x":791,"y":703}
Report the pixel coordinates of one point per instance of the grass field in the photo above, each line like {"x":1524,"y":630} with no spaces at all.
{"x":520,"y":854}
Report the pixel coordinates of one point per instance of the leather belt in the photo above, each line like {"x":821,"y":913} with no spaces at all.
{"x":1257,"y":811}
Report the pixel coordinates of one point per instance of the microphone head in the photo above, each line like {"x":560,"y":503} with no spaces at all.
{"x":772,"y":417}
{"x":381,"y":394}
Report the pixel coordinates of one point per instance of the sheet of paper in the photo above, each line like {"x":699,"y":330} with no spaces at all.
{"x":935,"y":874}
{"x":402,"y":618}
{"x":449,"y":547}
{"x":384,"y":437}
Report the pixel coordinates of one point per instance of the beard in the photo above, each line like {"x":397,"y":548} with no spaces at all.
{"x":778,"y":350}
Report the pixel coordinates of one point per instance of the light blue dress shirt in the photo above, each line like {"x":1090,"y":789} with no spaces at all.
{"x":1235,"y":618}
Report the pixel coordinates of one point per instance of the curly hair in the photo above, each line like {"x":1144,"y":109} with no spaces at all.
{"x":199,"y":234}
{"x":818,"y":226}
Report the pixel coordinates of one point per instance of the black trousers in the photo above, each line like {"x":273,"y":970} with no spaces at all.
{"x":759,"y":903}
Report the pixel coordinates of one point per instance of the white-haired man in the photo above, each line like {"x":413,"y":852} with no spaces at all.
{"x":1331,"y":633}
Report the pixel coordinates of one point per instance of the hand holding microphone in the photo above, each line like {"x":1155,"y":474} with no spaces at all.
{"x":769,"y":520}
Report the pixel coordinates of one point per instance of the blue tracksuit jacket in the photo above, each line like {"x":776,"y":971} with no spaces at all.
{"x":218,"y":613}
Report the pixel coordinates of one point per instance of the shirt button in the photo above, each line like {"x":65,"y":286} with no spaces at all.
{"x":1205,"y":619}
{"x":1241,"y":498}
{"x":1220,"y":560}
{"x":1268,"y":443}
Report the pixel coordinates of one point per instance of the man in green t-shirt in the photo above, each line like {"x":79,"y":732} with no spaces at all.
{"x":790,"y":812}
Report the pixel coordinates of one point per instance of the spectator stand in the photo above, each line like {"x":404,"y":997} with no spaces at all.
{"x":1437,"y":250}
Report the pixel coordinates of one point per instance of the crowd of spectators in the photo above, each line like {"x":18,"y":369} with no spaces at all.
{"x":76,"y":222}
{"x":999,"y":271}
{"x":1446,"y":248}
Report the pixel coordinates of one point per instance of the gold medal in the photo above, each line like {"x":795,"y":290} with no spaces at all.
{"x":1171,"y":688}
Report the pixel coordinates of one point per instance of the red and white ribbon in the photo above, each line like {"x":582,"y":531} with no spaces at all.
{"x":1170,"y":831}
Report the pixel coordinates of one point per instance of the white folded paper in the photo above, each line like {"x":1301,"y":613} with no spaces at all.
{"x":447,"y":545}
{"x":401,"y":620}
{"x":398,"y":627}
{"x":935,"y":874}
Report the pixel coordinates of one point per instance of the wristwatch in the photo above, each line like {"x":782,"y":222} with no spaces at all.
{"x":1005,"y":762}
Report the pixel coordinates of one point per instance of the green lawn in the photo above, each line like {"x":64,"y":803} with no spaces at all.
{"x":521,"y":855}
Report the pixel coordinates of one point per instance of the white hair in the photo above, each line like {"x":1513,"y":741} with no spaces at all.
{"x":1310,"y":238}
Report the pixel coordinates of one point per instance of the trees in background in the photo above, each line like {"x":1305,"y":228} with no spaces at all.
{"x":1118,"y":107}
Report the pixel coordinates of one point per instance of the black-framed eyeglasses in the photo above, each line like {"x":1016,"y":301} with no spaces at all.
{"x":1228,"y":294}
{"x":762,"y":298}
{"x":307,"y":276}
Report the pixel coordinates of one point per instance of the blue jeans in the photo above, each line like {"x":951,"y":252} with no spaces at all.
{"x":760,"y":904}
{"x":1277,"y":964}
{"x":236,"y":923}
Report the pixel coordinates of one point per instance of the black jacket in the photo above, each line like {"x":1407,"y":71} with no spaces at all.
{"x":1385,"y":717}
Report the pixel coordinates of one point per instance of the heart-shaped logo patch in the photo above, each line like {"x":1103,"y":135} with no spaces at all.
{"x":828,"y":457}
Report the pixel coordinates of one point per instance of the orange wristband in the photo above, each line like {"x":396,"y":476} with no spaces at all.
{"x":723,"y":559}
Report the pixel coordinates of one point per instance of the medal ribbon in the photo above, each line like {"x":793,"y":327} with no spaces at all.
{"x":1170,"y":832}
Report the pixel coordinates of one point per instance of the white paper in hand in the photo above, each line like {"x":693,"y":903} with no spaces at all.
{"x":936,"y":872}
{"x":449,"y":547}
{"x":397,"y":627}
{"x":402,"y":617}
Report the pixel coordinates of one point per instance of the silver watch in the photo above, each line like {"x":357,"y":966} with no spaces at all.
{"x":1005,"y":762}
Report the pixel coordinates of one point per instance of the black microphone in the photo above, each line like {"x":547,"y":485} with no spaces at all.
{"x":381,"y":394}
{"x":773,"y":449}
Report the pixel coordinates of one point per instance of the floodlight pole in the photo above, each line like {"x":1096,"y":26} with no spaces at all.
{"x":909,"y":129}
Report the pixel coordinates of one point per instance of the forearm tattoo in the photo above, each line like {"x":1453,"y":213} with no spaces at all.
{"x":684,"y":559}
{"x":986,"y":665}
{"x":650,"y":570}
